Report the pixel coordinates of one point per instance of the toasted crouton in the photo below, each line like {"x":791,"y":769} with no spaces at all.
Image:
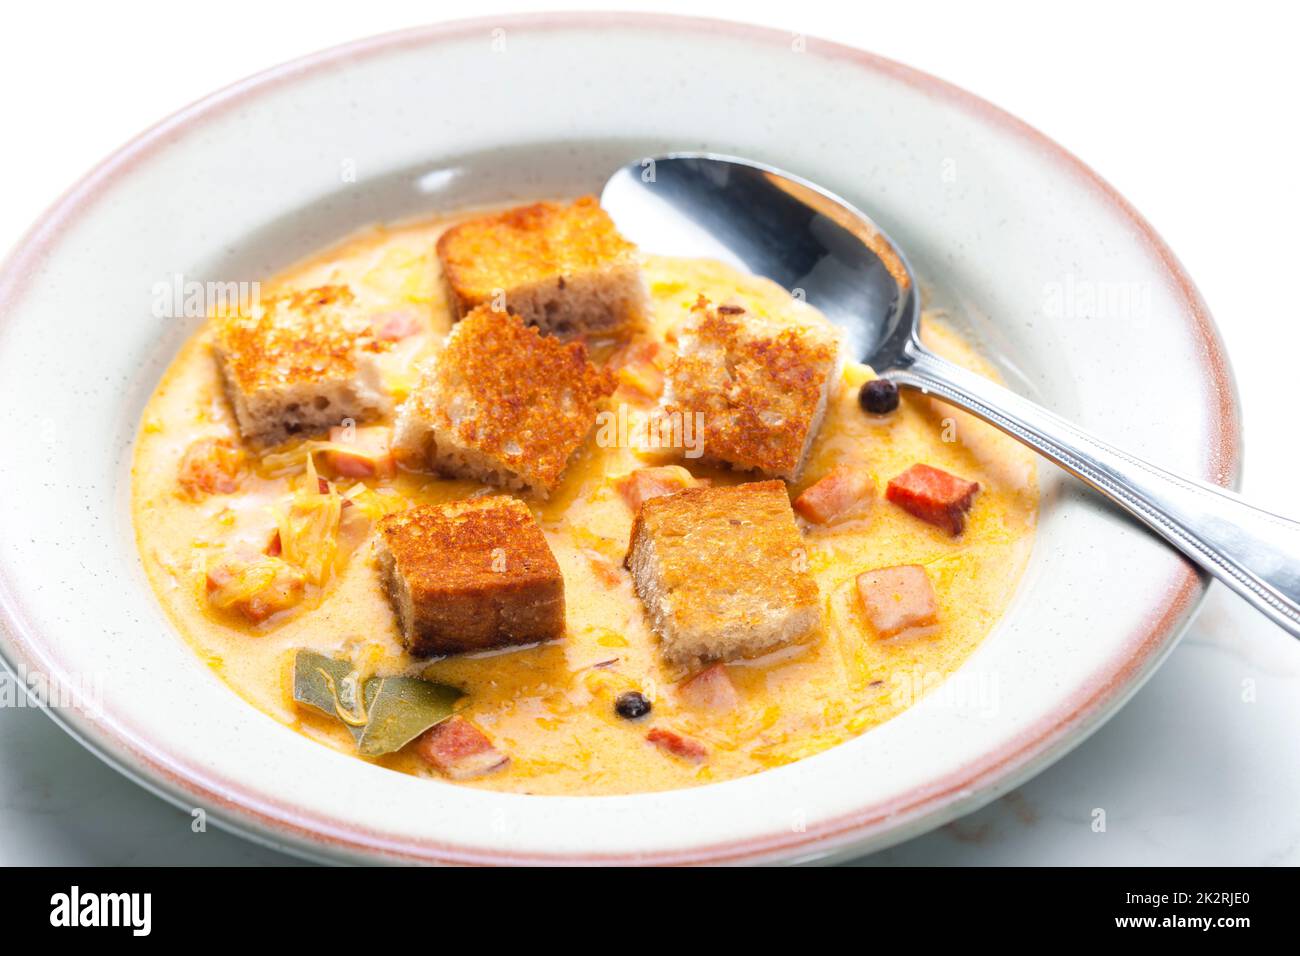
{"x":564,"y":269}
{"x":469,"y":575}
{"x":298,"y":363}
{"x":501,"y":404}
{"x":723,"y":572}
{"x":252,"y":584}
{"x":367,"y":452}
{"x":759,"y":387}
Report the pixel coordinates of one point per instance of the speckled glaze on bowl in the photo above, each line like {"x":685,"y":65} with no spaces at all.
{"x":1037,"y":257}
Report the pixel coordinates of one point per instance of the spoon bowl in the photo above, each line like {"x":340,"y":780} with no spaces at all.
{"x":770,"y":223}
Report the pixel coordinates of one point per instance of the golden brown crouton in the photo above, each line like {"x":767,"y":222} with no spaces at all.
{"x":252,"y":584}
{"x":298,"y":363}
{"x":723,"y":572}
{"x":564,"y":269}
{"x":710,"y":689}
{"x":469,"y":575}
{"x":501,"y":404}
{"x":759,"y":387}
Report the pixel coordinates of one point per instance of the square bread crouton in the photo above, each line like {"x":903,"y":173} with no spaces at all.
{"x":298,"y":363}
{"x":564,"y":269}
{"x":501,"y":404}
{"x":638,"y":487}
{"x":758,"y":387}
{"x":710,"y":689}
{"x":898,"y":598}
{"x":469,"y":575}
{"x":723,"y":572}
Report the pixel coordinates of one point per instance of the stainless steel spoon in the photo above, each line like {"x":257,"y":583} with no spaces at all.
{"x":773,"y":224}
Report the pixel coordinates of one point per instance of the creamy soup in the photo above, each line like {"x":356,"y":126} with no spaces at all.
{"x":550,"y":707}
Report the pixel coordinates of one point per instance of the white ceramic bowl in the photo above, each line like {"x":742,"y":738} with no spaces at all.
{"x":1065,"y":286}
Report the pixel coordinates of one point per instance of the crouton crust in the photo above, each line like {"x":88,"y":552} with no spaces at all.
{"x":562,"y":268}
{"x":761,"y":386}
{"x":503,"y":404}
{"x":723,"y":571}
{"x":470,"y":574}
{"x":296,"y":349}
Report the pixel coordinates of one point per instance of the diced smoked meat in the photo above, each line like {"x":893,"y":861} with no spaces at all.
{"x":296,"y":363}
{"x":758,"y":384}
{"x":211,"y":466}
{"x":564,"y":269}
{"x":934,"y":496}
{"x":710,"y":689}
{"x":723,"y":572}
{"x":843,"y":493}
{"x":370,"y":453}
{"x":254,"y":585}
{"x":677,"y":745}
{"x":639,"y":371}
{"x":646,"y":483}
{"x":898,"y":598}
{"x":393,"y":326}
{"x":459,"y":750}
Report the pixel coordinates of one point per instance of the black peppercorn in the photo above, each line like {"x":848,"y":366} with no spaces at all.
{"x":631,"y":705}
{"x":878,"y":396}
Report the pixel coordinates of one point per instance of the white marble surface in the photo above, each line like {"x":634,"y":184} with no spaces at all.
{"x":1202,"y":766}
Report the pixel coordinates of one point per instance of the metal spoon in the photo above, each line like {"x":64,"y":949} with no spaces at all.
{"x":773,"y":224}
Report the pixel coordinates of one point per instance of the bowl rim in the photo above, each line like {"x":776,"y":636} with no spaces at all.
{"x":309,"y":835}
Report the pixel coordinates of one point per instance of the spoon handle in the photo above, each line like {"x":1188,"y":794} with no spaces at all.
{"x":1254,"y":552}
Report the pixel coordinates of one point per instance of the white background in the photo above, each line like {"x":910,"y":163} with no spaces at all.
{"x":1188,"y":109}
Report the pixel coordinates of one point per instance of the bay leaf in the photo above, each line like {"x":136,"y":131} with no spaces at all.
{"x":400,"y":709}
{"x":316,"y":679}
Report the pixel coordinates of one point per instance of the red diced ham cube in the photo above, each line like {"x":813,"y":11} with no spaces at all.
{"x":646,"y":483}
{"x":898,"y":598}
{"x":459,"y":750}
{"x":638,"y":369}
{"x":710,"y":689}
{"x":934,"y":496}
{"x":677,"y":745}
{"x":369,"y":454}
{"x":252,"y":584}
{"x":844,"y":492}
